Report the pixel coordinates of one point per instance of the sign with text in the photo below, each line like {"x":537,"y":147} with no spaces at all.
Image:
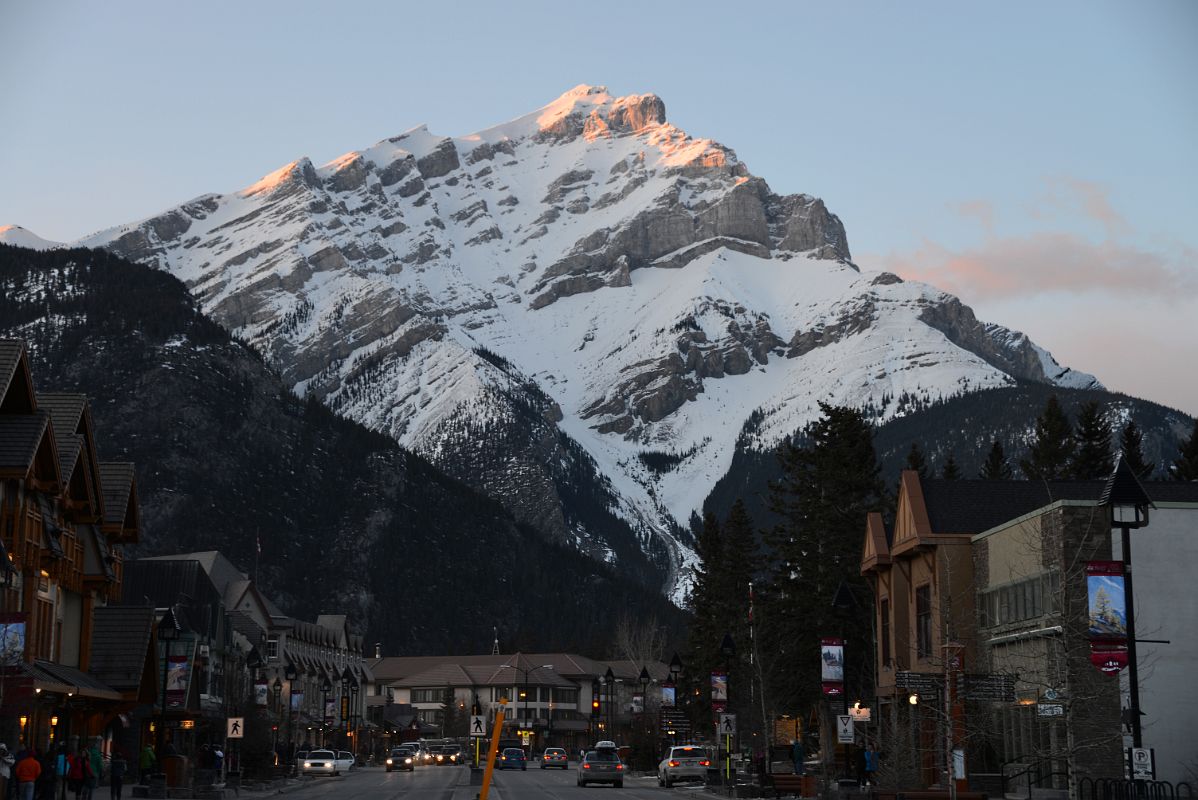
{"x":860,"y":714}
{"x":844,"y":729}
{"x":1143,"y":763}
{"x":1109,"y":658}
{"x":921,"y":682}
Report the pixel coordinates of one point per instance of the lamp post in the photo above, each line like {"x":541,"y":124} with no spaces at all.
{"x":728,"y":651}
{"x":1128,"y":503}
{"x":523,"y":690}
{"x":325,"y":688}
{"x":278,"y":688}
{"x":353,"y":706}
{"x":610,"y":678}
{"x":290,"y":674}
{"x":168,"y":631}
{"x":679,"y":696}
{"x":644,"y":679}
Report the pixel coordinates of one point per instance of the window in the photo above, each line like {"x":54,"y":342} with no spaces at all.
{"x":885,"y":627}
{"x":1023,"y":600}
{"x":566,"y":696}
{"x":923,"y":621}
{"x":428,"y":695}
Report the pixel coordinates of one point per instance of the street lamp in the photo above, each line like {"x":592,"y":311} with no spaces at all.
{"x":325,"y":688}
{"x":610,"y":678}
{"x":168,"y":631}
{"x":523,"y":691}
{"x":728,"y":651}
{"x":1128,"y":503}
{"x":290,"y":674}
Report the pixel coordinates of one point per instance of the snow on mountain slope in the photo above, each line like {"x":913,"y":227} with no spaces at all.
{"x":587,"y":268}
{"x":23,"y":237}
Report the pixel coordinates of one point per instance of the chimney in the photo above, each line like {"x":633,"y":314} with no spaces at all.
{"x":378,"y":649}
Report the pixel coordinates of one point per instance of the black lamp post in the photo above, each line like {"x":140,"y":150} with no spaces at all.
{"x":1128,"y":503}
{"x":679,"y":694}
{"x":353,"y":704}
{"x":346,"y":677}
{"x":290,"y":674}
{"x":610,"y":678}
{"x":325,"y":688}
{"x":728,"y":651}
{"x":644,"y":681}
{"x":168,"y":631}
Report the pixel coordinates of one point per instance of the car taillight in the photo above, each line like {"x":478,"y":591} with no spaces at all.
{"x":619,"y":766}
{"x":674,"y":763}
{"x":705,"y":763}
{"x":586,"y":766}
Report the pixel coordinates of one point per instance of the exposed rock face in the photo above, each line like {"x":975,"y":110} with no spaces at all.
{"x":636,"y":284}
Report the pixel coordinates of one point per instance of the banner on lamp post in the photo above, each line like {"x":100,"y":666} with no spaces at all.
{"x":330,"y":711}
{"x":719,"y":691}
{"x":1107,"y":602}
{"x":297,"y":700}
{"x":178,"y":676}
{"x":667,"y":695}
{"x":261,"y":693}
{"x":1108,"y":658}
{"x":831,"y":652}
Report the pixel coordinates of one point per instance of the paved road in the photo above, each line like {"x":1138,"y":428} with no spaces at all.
{"x":453,"y":783}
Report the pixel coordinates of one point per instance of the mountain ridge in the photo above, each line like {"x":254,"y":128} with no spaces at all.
{"x":648,"y":290}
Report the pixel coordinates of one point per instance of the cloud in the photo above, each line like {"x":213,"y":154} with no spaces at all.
{"x":1031,"y":265}
{"x":982,"y":210}
{"x":1070,"y":194}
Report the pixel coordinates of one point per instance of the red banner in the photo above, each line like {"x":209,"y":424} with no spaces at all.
{"x":831,"y":657}
{"x":1109,"y":658}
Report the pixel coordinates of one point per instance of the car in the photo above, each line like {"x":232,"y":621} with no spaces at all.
{"x":451,"y":754}
{"x":512,"y":758}
{"x":683,"y":763}
{"x":420,"y":754}
{"x":554,"y":757}
{"x":345,"y":761}
{"x":601,"y":765}
{"x":320,"y":762}
{"x":400,"y":758}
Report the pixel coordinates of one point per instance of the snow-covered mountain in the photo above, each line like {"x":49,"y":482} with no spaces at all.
{"x":22,"y":237}
{"x":589,"y":270}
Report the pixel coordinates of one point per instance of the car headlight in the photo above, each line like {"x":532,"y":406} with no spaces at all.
{"x":389,"y":762}
{"x":407,"y":761}
{"x":307,"y":765}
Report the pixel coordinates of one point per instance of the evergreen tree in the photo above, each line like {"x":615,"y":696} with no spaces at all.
{"x":1131,"y":445}
{"x":740,"y":552}
{"x":917,"y":461}
{"x":707,"y":626}
{"x":826,"y":491}
{"x":1092,"y":459}
{"x":1052,"y":450}
{"x":996,"y":467}
{"x":950,"y":471}
{"x":1185,"y":466}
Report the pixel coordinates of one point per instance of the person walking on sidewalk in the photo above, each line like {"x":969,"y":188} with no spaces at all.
{"x":26,"y":772}
{"x":6,"y":764}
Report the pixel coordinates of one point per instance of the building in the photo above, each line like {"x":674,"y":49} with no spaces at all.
{"x":64,"y":517}
{"x":982,"y":617}
{"x":549,"y":696}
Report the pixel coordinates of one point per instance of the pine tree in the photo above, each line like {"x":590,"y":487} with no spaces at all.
{"x":826,"y":491}
{"x":1052,"y":450}
{"x":917,"y":461}
{"x":706,"y":629}
{"x":1131,"y":445}
{"x":1092,"y":459}
{"x":996,"y":467}
{"x":740,"y":553}
{"x":950,"y":471}
{"x":1185,"y":466}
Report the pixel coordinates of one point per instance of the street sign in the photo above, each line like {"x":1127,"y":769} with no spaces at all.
{"x":920,"y":682}
{"x":844,"y":729}
{"x":1050,"y":710}
{"x":478,"y":725}
{"x":235,"y":728}
{"x":860,"y":714}
{"x":987,"y":688}
{"x":1143,"y":764}
{"x":727,"y":724}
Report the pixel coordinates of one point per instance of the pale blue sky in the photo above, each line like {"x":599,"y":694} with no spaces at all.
{"x":1039,"y":159}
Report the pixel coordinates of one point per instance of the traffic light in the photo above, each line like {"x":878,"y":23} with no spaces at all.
{"x":595,"y":698}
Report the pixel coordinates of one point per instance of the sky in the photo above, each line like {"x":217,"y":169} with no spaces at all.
{"x":1039,"y":160}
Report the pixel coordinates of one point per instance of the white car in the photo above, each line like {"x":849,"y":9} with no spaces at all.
{"x":688,"y":762}
{"x":326,"y":762}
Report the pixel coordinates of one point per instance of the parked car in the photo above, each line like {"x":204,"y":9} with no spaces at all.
{"x":401,"y":758}
{"x":322,"y":762}
{"x":554,"y":757}
{"x":683,"y":763}
{"x":512,"y":758}
{"x":601,"y":766}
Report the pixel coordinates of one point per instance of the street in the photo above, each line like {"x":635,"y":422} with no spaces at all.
{"x":453,"y":783}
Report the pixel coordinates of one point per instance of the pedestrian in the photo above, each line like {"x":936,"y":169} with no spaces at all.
{"x":116,"y":774}
{"x":871,"y":765}
{"x":6,"y":764}
{"x":798,"y":756}
{"x":95,"y":768}
{"x":26,"y":773}
{"x":145,"y":763}
{"x":76,"y":769}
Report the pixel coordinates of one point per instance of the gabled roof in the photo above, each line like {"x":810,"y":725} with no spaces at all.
{"x":16,"y":381}
{"x":876,"y":551}
{"x":27,"y":445}
{"x":71,"y":417}
{"x":118,"y":482}
{"x":121,"y":635}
